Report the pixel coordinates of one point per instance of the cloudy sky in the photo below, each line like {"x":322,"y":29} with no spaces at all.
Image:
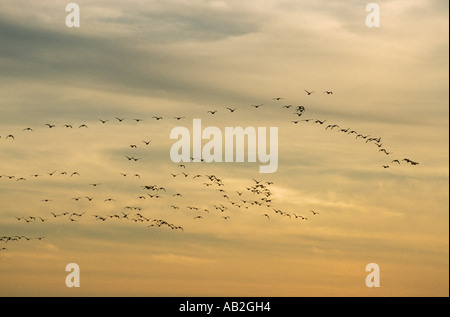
{"x":139,"y":59}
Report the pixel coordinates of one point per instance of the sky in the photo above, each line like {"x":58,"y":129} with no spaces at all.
{"x":144,"y":59}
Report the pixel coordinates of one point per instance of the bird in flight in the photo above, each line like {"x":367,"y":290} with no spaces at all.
{"x":328,"y":92}
{"x":147,"y":142}
{"x":96,"y":184}
{"x":314,"y":212}
{"x":50,"y":125}
{"x":410,"y":161}
{"x":178,"y":118}
{"x":278,"y":98}
{"x":211,"y":111}
{"x":120,"y":119}
{"x":157,"y":118}
{"x":257,"y":106}
{"x":232,"y":109}
{"x":103,"y":121}
{"x":309,"y":92}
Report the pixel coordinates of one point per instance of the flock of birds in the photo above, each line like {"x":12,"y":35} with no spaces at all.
{"x":256,"y":196}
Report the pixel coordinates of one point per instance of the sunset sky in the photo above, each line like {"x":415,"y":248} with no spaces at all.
{"x":139,"y":59}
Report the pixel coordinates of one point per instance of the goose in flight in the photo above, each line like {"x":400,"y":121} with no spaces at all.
{"x":103,"y":121}
{"x":328,"y":92}
{"x":314,"y":212}
{"x":309,"y":92}
{"x":211,"y":111}
{"x":120,"y":119}
{"x":83,"y":126}
{"x":410,"y":161}
{"x":257,"y":106}
{"x":50,"y":125}
{"x":157,"y":118}
{"x":232,"y":109}
{"x":147,"y":142}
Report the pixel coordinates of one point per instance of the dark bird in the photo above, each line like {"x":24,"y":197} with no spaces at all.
{"x":396,"y":161}
{"x":68,"y":126}
{"x":384,"y":150}
{"x":287,"y":106}
{"x":309,"y":92}
{"x":46,"y":200}
{"x":147,"y":142}
{"x":83,"y":126}
{"x":314,"y":213}
{"x":266,"y":215}
{"x":157,"y":118}
{"x":103,"y":121}
{"x":410,"y":161}
{"x":277,"y":98}
{"x":95,"y":185}
{"x":178,"y":118}
{"x":50,"y":125}
{"x":385,"y":166}
{"x":138,"y":120}
{"x":320,"y":122}
{"x":211,"y":111}
{"x":328,"y":92}
{"x":232,"y":109}
{"x":257,"y":106}
{"x":119,"y":119}
{"x":10,"y":137}
{"x":28,"y":129}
